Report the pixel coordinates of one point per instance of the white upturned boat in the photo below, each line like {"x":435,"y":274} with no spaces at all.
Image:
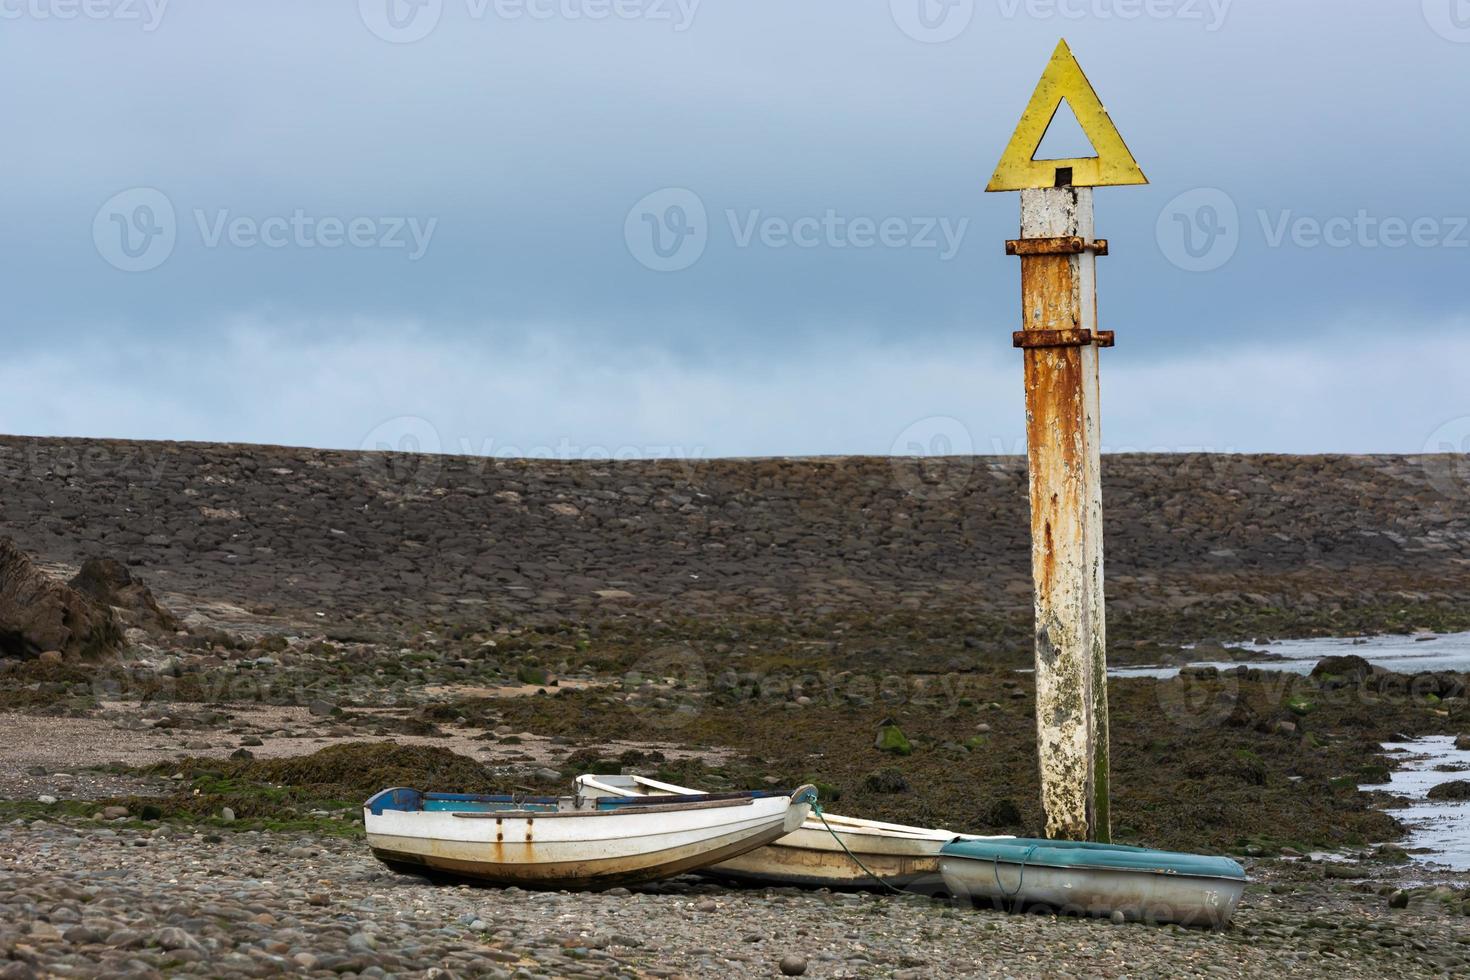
{"x":904,"y":857}
{"x":1074,"y":878}
{"x":572,"y":842}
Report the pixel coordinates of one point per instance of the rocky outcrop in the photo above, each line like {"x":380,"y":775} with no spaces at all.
{"x":109,"y":583}
{"x":39,"y":615}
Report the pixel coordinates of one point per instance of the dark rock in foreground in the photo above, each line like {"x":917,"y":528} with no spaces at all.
{"x":41,"y":615}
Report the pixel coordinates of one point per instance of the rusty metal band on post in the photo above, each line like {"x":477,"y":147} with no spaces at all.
{"x":1066,"y":245}
{"x":1027,"y":339}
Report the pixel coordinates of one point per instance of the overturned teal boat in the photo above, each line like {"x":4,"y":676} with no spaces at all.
{"x":1106,"y":880}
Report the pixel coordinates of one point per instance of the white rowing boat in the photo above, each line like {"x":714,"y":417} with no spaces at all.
{"x":813,"y":855}
{"x":572,"y":842}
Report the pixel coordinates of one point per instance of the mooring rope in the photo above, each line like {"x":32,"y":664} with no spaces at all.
{"x":1020,"y":882}
{"x":816,"y":808}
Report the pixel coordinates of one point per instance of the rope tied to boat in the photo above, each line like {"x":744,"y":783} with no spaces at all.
{"x":817,"y":809}
{"x":1020,"y":881}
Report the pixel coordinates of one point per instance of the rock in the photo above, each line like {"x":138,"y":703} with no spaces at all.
{"x":1343,"y":871}
{"x":1004,"y":813}
{"x":172,"y":937}
{"x":39,"y":614}
{"x":109,"y":583}
{"x":82,"y":935}
{"x":125,"y":939}
{"x":886,"y":781}
{"x":321,"y":709}
{"x":47,"y":800}
{"x":792,"y":965}
{"x":1399,"y":899}
{"x":891,"y":739}
{"x":1300,"y":706}
{"x":227,"y":815}
{"x":1340,"y":671}
{"x":1455,"y":789}
{"x":242,"y":754}
{"x":114,"y":812}
{"x":1462,"y":742}
{"x":252,"y":740}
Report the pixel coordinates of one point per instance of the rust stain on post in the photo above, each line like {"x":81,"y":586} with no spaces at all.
{"x":1059,"y":340}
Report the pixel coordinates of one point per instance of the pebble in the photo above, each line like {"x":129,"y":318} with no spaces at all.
{"x":246,"y":906}
{"x":793,"y":966}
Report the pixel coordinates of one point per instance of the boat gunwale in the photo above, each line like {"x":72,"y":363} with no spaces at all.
{"x":615,"y":812}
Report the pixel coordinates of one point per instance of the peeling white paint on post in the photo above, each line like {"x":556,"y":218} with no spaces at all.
{"x":1059,"y":294}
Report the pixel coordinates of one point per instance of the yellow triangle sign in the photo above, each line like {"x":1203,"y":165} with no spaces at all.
{"x":1063,"y":79}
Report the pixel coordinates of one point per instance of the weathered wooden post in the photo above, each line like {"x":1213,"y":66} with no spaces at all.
{"x":1060,"y":340}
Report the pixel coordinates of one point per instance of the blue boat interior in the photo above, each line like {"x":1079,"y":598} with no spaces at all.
{"x":1083,"y":855}
{"x":412,"y":800}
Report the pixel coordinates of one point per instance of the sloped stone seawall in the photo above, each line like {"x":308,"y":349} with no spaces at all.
{"x":455,"y":537}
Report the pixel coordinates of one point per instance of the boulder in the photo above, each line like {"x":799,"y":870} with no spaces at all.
{"x":109,"y":583}
{"x":1342,"y":671}
{"x":1455,"y":789}
{"x":892,"y":739}
{"x":39,"y":614}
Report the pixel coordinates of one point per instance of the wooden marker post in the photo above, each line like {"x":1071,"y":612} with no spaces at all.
{"x":1060,"y":341}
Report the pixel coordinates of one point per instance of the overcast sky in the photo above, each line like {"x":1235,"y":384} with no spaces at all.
{"x":728,"y":227}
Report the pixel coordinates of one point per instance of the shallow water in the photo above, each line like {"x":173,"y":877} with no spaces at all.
{"x":1404,"y":654}
{"x":1442,"y":826}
